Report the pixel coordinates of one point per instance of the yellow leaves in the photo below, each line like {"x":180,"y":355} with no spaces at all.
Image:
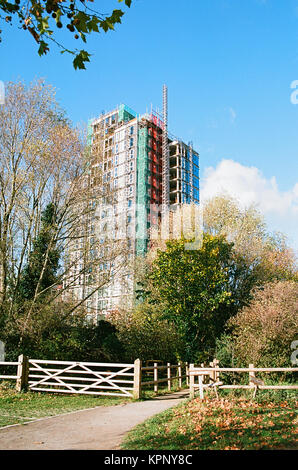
{"x":182,"y":430}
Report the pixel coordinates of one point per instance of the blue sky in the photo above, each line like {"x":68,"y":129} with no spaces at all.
{"x":228,"y":64}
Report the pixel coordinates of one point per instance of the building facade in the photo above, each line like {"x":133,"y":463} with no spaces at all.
{"x":128,"y":157}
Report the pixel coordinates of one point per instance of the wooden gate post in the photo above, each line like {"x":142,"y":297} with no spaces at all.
{"x":191,"y":381}
{"x":216,"y":374}
{"x":187,"y":373}
{"x":201,"y":386}
{"x":155,"y":376}
{"x":23,"y":372}
{"x":169,"y":375}
{"x":179,"y":375}
{"x":137,"y":379}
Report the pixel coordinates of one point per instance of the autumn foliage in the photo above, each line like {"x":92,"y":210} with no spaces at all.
{"x":264,"y":330}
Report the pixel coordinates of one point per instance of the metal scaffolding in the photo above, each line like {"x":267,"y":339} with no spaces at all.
{"x":165,"y":152}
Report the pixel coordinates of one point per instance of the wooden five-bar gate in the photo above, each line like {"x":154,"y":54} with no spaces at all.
{"x":92,"y":378}
{"x":89,"y":378}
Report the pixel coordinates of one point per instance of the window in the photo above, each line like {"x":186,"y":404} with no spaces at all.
{"x":129,"y":203}
{"x":131,"y":130}
{"x":131,"y":142}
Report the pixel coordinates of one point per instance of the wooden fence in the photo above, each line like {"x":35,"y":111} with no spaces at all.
{"x":212,"y":377}
{"x":129,"y":380}
{"x":169,"y":373}
{"x":92,"y":378}
{"x":11,"y":365}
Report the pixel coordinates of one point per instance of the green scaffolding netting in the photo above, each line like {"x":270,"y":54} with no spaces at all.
{"x":125,"y":113}
{"x":143,"y":200}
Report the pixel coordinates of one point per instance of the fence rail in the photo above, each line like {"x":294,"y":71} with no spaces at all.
{"x":4,"y":364}
{"x":209,"y":377}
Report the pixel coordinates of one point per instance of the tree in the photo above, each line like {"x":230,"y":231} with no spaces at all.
{"x":260,"y":256}
{"x":48,"y":204}
{"x":40,"y":273}
{"x":194,"y":289}
{"x":40,"y":17}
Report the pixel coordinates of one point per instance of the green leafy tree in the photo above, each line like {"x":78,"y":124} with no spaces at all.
{"x":44,"y":18}
{"x":194,"y":287}
{"x":40,"y":274}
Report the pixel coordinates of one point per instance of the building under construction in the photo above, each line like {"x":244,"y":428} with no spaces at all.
{"x":148,"y":171}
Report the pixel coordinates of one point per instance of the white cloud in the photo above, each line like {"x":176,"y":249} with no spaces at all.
{"x":249,"y":186}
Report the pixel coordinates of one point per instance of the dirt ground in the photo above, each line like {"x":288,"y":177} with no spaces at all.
{"x":101,"y":428}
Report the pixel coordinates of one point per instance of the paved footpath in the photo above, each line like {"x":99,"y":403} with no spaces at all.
{"x":101,"y":428}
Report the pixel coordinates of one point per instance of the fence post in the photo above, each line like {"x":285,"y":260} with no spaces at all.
{"x":211,"y":374}
{"x":23,"y":372}
{"x":251,"y":374}
{"x":179,"y":375}
{"x":191,"y":381}
{"x":155,"y":376}
{"x":137,"y":379}
{"x":169,"y":375}
{"x":201,"y":386}
{"x":252,"y":384}
{"x":216,"y":374}
{"x":187,"y":373}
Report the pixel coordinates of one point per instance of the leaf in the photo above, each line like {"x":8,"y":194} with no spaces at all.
{"x":43,"y":48}
{"x":80,"y":58}
{"x":43,"y":24}
{"x":80,"y":21}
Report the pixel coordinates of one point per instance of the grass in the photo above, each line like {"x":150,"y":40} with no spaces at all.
{"x":18,"y":408}
{"x":230,"y":423}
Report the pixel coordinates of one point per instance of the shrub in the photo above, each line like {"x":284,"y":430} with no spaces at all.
{"x":145,"y":335}
{"x":264,"y":330}
{"x":50,"y":332}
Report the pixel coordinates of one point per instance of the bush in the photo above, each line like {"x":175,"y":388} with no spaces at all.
{"x":263,"y":331}
{"x":145,"y":335}
{"x":49,"y":332}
